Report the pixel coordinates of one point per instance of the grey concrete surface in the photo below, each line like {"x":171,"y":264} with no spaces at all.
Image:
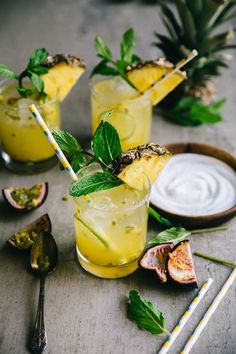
{"x":84,"y":314}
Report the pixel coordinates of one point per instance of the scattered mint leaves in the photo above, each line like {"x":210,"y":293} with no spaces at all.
{"x":145,"y":314}
{"x":6,"y":72}
{"x":163,"y":221}
{"x":174,"y":234}
{"x":34,"y":69}
{"x":109,"y":66}
{"x":191,"y":111}
{"x":106,"y":143}
{"x":93,"y":183}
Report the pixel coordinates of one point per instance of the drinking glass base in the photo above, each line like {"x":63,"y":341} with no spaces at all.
{"x":24,"y":167}
{"x":109,"y":271}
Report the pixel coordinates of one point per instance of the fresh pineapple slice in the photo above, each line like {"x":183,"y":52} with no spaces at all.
{"x":64,"y":71}
{"x":149,"y":160}
{"x":145,"y":76}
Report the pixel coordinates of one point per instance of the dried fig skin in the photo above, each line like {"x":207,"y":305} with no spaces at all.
{"x":177,"y":268}
{"x":154,"y":260}
{"x":43,"y":223}
{"x":7,"y":195}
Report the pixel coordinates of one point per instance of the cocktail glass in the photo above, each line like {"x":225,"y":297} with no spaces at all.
{"x":24,"y":148}
{"x":111,"y":228}
{"x":132,"y":112}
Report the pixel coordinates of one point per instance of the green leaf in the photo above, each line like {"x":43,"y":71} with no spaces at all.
{"x":93,"y":183}
{"x":37,"y":82}
{"x":24,"y":92}
{"x":6,"y":72}
{"x":127,"y":45}
{"x":163,"y":221}
{"x":66,"y":142}
{"x":135,"y":58}
{"x":39,"y":70}
{"x":174,"y":234}
{"x":38,"y":57}
{"x":102,"y":49}
{"x":188,"y":23}
{"x":78,"y":161}
{"x":106,"y":143}
{"x":145,"y":314}
{"x":103,"y":69}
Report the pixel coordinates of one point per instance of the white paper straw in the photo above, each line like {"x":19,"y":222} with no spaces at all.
{"x":202,"y":324}
{"x":184,"y":319}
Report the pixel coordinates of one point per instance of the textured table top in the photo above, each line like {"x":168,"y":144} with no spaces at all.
{"x":85,"y":314}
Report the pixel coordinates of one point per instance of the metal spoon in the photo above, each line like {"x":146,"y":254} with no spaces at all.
{"x":43,"y":261}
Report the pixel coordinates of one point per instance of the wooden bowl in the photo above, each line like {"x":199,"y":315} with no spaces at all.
{"x":203,"y":220}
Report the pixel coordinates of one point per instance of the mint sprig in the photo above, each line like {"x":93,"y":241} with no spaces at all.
{"x":35,"y":68}
{"x":106,"y":147}
{"x":145,"y":314}
{"x":110,"y":66}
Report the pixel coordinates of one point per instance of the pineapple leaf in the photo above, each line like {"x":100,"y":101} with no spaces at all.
{"x":221,"y":15}
{"x":188,"y":23}
{"x":195,"y":6}
{"x":213,"y":43}
{"x":171,"y":22}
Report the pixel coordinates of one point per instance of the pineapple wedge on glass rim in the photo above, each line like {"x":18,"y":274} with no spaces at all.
{"x":64,"y":71}
{"x":133,"y":164}
{"x":145,"y":76}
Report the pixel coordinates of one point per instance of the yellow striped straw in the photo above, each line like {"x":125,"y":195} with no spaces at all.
{"x":53,"y":142}
{"x":202,"y":324}
{"x":176,"y":68}
{"x":184,"y":319}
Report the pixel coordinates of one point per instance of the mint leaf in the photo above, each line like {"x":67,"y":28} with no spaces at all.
{"x":102,"y":49}
{"x":39,"y":70}
{"x":163,"y":221}
{"x":78,"y":161}
{"x":93,"y":183}
{"x":106,"y":143}
{"x":37,"y":82}
{"x":24,"y":92}
{"x":191,"y":111}
{"x":38,"y":57}
{"x":127,"y":45}
{"x":6,"y":72}
{"x":145,"y":314}
{"x":103,"y":69}
{"x":174,"y":234}
{"x":66,"y":141}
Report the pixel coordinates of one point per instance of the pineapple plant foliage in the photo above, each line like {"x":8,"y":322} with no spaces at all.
{"x":195,"y":24}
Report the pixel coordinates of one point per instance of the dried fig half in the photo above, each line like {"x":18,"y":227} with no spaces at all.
{"x":155,"y":259}
{"x":180,"y":265}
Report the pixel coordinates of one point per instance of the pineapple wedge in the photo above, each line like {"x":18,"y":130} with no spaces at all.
{"x":64,"y":71}
{"x":145,"y":76}
{"x":149,"y":159}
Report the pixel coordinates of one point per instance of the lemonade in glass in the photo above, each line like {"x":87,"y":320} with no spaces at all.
{"x":24,"y":148}
{"x":111,"y":228}
{"x":132,"y":112}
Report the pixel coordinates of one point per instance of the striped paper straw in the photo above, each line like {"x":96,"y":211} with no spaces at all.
{"x":53,"y":142}
{"x":177,"y":67}
{"x":184,"y":319}
{"x":202,"y":324}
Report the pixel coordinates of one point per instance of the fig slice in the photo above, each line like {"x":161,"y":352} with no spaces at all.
{"x":26,"y":199}
{"x":24,"y":238}
{"x":155,"y":259}
{"x":180,"y":265}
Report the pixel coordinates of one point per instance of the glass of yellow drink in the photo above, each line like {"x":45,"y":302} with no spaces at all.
{"x":111,"y":228}
{"x":24,"y":148}
{"x":132,"y":112}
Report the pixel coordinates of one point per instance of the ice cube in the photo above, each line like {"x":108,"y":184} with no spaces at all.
{"x":24,"y":112}
{"x":103,"y":203}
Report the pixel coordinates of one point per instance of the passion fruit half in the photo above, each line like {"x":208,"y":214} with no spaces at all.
{"x":26,"y":199}
{"x":155,"y":259}
{"x":180,"y":265}
{"x":24,"y":238}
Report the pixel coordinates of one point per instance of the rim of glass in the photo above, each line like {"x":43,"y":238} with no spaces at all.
{"x":122,"y":209}
{"x":143,"y":96}
{"x":4,"y":82}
